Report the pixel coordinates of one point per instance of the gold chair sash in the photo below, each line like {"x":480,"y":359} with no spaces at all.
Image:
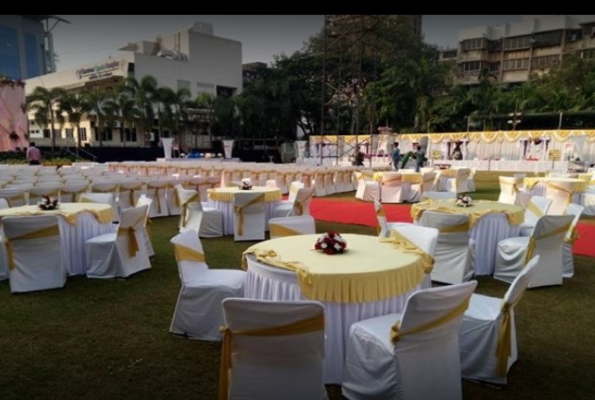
{"x":281,"y":231}
{"x":503,"y":347}
{"x":396,"y":333}
{"x":533,"y":240}
{"x":185,"y":253}
{"x":133,"y":246}
{"x":534,"y":209}
{"x":41,"y":233}
{"x":239,"y":210}
{"x":298,"y":205}
{"x":402,"y":243}
{"x":551,"y":185}
{"x":464,"y":227}
{"x":184,"y":214}
{"x":312,"y":324}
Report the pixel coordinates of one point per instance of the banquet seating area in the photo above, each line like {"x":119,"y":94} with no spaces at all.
{"x":399,"y":309}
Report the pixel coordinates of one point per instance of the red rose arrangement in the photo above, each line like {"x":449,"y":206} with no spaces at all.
{"x":48,"y":203}
{"x":331,"y":243}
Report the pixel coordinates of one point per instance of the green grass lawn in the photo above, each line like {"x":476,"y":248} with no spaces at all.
{"x":99,"y":340}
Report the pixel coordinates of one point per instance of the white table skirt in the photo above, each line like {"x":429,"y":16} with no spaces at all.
{"x":73,"y":238}
{"x":270,"y":283}
{"x":226,"y":207}
{"x":487,"y":232}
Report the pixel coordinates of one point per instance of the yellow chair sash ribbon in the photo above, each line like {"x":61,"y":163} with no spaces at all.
{"x":239,"y":210}
{"x":503,"y":348}
{"x":464,"y":227}
{"x":312,"y":324}
{"x":396,"y":333}
{"x":533,"y":241}
{"x":534,"y":209}
{"x":133,"y":247}
{"x":281,"y":231}
{"x":561,"y":189}
{"x":41,"y":233}
{"x":298,"y":205}
{"x":573,"y":237}
{"x":185,"y":253}
{"x":192,"y":199}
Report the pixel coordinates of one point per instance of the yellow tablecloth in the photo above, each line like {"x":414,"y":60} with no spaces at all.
{"x":103,"y":212}
{"x":578,"y":185}
{"x":226,"y":193}
{"x":368,"y":271}
{"x":409,"y":177}
{"x":480,"y":208}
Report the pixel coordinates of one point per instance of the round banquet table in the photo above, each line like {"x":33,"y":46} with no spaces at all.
{"x":78,"y":222}
{"x":370,"y":279}
{"x":489,"y":221}
{"x":222,"y":199}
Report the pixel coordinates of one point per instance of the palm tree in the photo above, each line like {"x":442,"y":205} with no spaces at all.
{"x":43,"y":102}
{"x":144,"y":93}
{"x":74,"y":106}
{"x":123,"y":108}
{"x":95,"y":98}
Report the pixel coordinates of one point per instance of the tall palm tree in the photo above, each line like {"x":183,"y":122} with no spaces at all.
{"x":44,"y":102}
{"x":144,"y":93}
{"x":74,"y":106}
{"x":95,"y":98}
{"x":124,"y":110}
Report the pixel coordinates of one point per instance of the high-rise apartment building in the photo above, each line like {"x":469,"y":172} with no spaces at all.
{"x":511,"y":52}
{"x":26,"y":49}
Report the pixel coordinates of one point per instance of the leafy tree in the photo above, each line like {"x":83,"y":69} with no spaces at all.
{"x":44,"y":103}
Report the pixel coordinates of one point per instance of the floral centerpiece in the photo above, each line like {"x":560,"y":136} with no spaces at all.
{"x":464,"y":201}
{"x":246,"y":185}
{"x":48,"y":203}
{"x":331,"y":243}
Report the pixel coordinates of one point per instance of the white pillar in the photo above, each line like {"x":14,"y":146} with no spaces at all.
{"x":167,"y":144}
{"x":228,"y":147}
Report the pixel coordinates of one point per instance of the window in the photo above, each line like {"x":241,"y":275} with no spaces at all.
{"x":548,"y":39}
{"x":510,"y":65}
{"x":129,"y":134}
{"x":46,"y":133}
{"x":31,"y":55}
{"x":69,"y":133}
{"x":83,"y":134}
{"x":495,"y":45}
{"x":545,"y":62}
{"x":10,"y":64}
{"x":474,"y":44}
{"x":182,"y":84}
{"x":519,"y":42}
{"x":473,"y":66}
{"x":495,"y":67}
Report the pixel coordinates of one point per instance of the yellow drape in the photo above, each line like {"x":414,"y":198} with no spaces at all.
{"x":185,"y":253}
{"x":41,"y":233}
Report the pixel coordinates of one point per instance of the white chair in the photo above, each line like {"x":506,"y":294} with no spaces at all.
{"x":207,"y":221}
{"x":571,"y":236}
{"x":458,"y":184}
{"x":285,"y":206}
{"x":487,"y":335}
{"x":425,"y":239}
{"x":271,"y":348}
{"x":15,"y":196}
{"x":508,"y":189}
{"x":299,"y":206}
{"x":250,"y":221}
{"x":107,"y":187}
{"x":155,"y":190}
{"x":589,"y":198}
{"x":391,"y":188}
{"x":198,"y":313}
{"x":535,"y":207}
{"x":546,"y":241}
{"x":471,"y":180}
{"x":33,"y":253}
{"x":384,"y":227}
{"x":561,"y":195}
{"x":71,"y":191}
{"x":427,"y":184}
{"x":37,"y":192}
{"x":413,"y":355}
{"x":129,"y":193}
{"x":290,"y":226}
{"x":4,"y":203}
{"x":367,"y":188}
{"x":435,"y":195}
{"x":454,"y":255}
{"x":142,"y":201}
{"x":122,"y":253}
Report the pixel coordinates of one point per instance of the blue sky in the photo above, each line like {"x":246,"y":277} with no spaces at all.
{"x":91,"y":38}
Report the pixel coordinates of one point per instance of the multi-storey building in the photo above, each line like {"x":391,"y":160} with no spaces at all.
{"x":511,"y":52}
{"x":26,"y":49}
{"x":192,"y":58}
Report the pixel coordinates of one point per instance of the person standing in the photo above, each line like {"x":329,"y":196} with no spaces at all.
{"x":358,"y":157}
{"x":420,"y":158}
{"x":33,"y":154}
{"x":396,"y":156}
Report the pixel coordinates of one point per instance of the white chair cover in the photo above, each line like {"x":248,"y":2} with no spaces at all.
{"x":423,"y":362}
{"x":33,"y":253}
{"x":391,"y":188}
{"x":536,"y":207}
{"x":144,"y":200}
{"x":384,"y":227}
{"x":122,"y":253}
{"x":299,"y":206}
{"x":290,"y":226}
{"x":561,"y":195}
{"x":367,"y":188}
{"x":546,"y":241}
{"x":129,"y":193}
{"x":198,"y":313}
{"x":487,"y":325}
{"x":250,"y":220}
{"x":105,"y":187}
{"x":453,"y":258}
{"x":425,"y":238}
{"x":569,"y":239}
{"x":589,"y":199}
{"x":265,"y":365}
{"x":471,"y":180}
{"x":15,"y":196}
{"x":37,"y":192}
{"x":71,"y":191}
{"x":427,"y":185}
{"x":284,"y":207}
{"x":509,"y":187}
{"x":207,"y":221}
{"x":155,"y":190}
{"x":458,"y":184}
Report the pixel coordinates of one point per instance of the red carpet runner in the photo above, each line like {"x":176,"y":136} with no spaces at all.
{"x":362,"y":213}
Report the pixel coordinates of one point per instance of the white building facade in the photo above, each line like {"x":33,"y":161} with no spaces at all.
{"x":192,"y":58}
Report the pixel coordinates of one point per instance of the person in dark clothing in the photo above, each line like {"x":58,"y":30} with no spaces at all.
{"x":358,"y":157}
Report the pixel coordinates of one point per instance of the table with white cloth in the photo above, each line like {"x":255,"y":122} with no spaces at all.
{"x":489,"y":221}
{"x":371,"y":278}
{"x":537,"y":186}
{"x":78,"y":222}
{"x":222,"y":199}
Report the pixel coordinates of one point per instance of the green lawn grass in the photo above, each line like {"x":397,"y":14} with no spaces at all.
{"x":98,"y":340}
